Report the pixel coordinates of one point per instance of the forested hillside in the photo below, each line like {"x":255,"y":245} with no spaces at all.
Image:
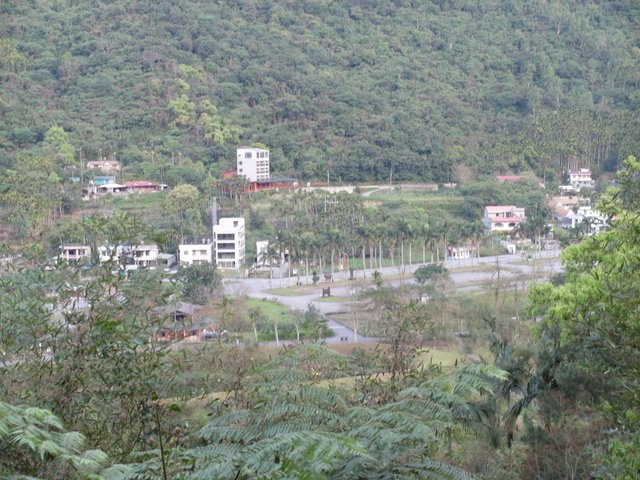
{"x":359,"y":89}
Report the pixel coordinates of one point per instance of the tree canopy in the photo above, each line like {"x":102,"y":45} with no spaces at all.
{"x":365,"y":91}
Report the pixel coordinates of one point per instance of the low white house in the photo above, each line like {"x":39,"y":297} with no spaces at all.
{"x":459,"y":253}
{"x":145,"y":255}
{"x":132,"y":256}
{"x":196,"y":253}
{"x":74,"y":252}
{"x":166,"y":260}
{"x":111,"y":188}
{"x":111,"y":253}
{"x":595,"y":220}
{"x":229,"y":242}
{"x":503,"y":218}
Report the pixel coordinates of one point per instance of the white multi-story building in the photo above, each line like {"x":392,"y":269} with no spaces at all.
{"x":146,"y":255}
{"x":502,"y":218}
{"x":111,"y":253}
{"x":228,"y":239}
{"x":196,"y":253}
{"x":581,"y":179}
{"x":74,"y":253}
{"x":253,"y":163}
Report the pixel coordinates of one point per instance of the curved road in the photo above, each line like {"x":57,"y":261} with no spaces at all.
{"x":461,"y":272}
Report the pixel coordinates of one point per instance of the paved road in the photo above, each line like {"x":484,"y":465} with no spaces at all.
{"x":461,"y":272}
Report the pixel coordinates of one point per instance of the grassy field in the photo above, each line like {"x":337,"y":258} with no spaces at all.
{"x":137,"y":203}
{"x":436,"y":356}
{"x":428,"y":199}
{"x":294,"y":291}
{"x":274,"y":311}
{"x":311,"y":289}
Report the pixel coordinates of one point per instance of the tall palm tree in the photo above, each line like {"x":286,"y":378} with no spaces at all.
{"x":424,"y":232}
{"x":269,"y":255}
{"x":392,"y":241}
{"x":474,"y":232}
{"x":405,"y":235}
{"x":364,"y":232}
{"x":305,"y":246}
{"x":334,"y":237}
{"x":379,"y":234}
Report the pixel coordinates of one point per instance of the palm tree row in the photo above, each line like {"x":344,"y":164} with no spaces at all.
{"x":322,"y":229}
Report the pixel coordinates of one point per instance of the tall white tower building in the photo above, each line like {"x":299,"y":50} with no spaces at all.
{"x":253,"y":163}
{"x":228,"y":239}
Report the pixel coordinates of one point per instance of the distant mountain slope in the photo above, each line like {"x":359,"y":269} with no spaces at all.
{"x":357,"y":88}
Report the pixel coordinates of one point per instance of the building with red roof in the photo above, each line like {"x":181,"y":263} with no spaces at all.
{"x":144,"y":186}
{"x":509,"y":178}
{"x":503,"y":218}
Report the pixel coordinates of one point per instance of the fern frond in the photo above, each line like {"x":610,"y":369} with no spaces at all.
{"x":116,"y":472}
{"x":430,"y":470}
{"x":310,"y":413}
{"x":284,"y":427}
{"x":315,"y":453}
{"x":240,"y":434}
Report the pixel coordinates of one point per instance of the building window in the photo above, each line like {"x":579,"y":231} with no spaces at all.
{"x":247,"y":155}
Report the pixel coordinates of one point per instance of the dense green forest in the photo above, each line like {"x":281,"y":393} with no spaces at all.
{"x":362,"y":90}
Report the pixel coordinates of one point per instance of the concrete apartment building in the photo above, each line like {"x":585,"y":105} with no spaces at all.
{"x":229,"y":242}
{"x":253,"y":163}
